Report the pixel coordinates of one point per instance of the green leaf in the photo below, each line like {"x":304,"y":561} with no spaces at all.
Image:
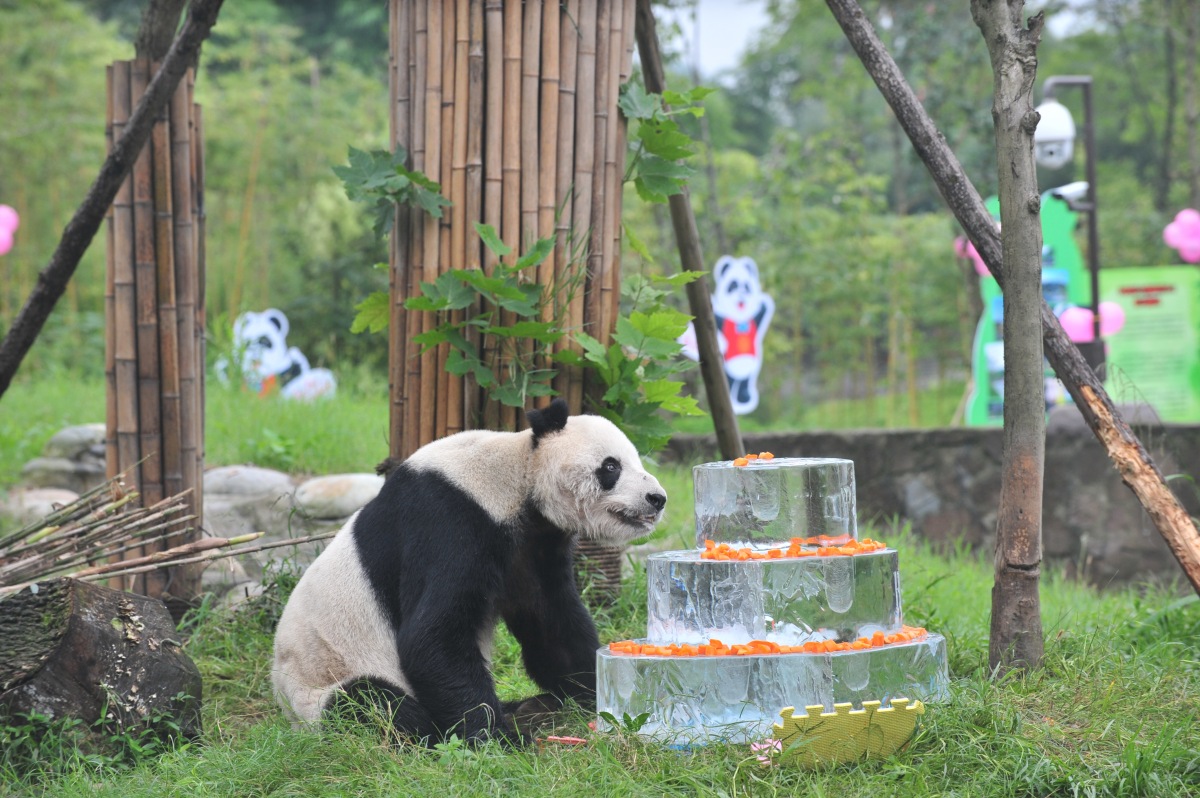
{"x":665,"y":140}
{"x":694,"y":95}
{"x":636,"y":103}
{"x":544,"y":331}
{"x":373,"y":313}
{"x":637,"y":245}
{"x":666,"y":323}
{"x":680,"y":278}
{"x":491,"y":239}
{"x":658,"y":178}
{"x":540,"y":250}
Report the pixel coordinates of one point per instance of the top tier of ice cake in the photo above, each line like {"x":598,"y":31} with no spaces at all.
{"x":769,"y":502}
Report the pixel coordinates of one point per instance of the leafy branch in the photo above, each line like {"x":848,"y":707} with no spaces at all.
{"x":655,"y":166}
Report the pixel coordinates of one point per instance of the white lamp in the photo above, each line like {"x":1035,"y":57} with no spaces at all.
{"x":1054,"y":139}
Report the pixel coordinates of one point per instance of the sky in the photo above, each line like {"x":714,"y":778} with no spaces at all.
{"x":728,"y":26}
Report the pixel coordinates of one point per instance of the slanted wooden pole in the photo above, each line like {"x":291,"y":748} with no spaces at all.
{"x":687,"y":238}
{"x":1131,"y":459}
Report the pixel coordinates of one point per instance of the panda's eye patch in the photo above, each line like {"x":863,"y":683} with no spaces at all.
{"x":608,"y":473}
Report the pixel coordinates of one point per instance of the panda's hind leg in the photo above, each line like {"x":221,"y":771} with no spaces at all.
{"x":377,"y":702}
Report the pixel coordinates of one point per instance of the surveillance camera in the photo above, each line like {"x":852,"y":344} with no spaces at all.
{"x":1071,"y":192}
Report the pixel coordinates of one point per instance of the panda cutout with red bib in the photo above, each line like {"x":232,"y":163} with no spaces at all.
{"x":743,"y":313}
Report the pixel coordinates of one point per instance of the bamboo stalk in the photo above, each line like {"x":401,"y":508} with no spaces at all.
{"x":531,"y":53}
{"x":445,"y":261}
{"x":201,"y":281}
{"x":585,"y":143}
{"x":125,"y":299}
{"x":511,"y":168}
{"x":416,"y":272}
{"x":564,"y":174}
{"x":432,"y":238}
{"x":547,"y":273}
{"x":168,"y":328}
{"x":597,"y":257}
{"x":454,"y":397}
{"x":146,"y":301}
{"x":400,"y":33}
{"x":110,"y":306}
{"x":619,"y":67}
{"x":493,"y":122}
{"x":474,"y":182}
{"x":182,"y":169}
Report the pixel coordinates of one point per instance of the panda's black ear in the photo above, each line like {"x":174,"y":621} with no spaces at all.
{"x":551,"y":419}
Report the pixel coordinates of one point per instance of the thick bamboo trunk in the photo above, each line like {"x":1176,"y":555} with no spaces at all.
{"x":1130,"y":458}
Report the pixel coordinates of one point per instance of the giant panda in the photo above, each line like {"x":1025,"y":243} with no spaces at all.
{"x":471,"y":529}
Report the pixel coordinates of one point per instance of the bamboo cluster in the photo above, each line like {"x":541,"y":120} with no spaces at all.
{"x":512,"y":108}
{"x":154,"y":306}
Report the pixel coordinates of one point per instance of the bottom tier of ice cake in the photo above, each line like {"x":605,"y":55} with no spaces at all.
{"x":694,"y":700}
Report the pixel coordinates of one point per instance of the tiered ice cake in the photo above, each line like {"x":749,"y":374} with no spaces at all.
{"x":779,"y":605}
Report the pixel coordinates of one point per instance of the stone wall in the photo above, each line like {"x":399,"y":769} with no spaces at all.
{"x":946,"y":482}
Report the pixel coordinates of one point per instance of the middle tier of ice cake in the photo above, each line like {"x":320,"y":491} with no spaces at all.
{"x":787,"y":601}
{"x":769,"y":502}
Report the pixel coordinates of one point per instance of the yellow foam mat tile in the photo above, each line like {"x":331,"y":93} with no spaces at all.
{"x":846,"y":734}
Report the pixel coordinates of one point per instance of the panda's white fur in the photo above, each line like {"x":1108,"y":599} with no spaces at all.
{"x":476,"y":524}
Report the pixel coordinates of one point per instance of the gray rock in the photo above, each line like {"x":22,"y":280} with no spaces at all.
{"x":247,"y":481}
{"x":336,"y":495}
{"x":75,"y":442}
{"x":24,"y":506}
{"x":59,"y":472}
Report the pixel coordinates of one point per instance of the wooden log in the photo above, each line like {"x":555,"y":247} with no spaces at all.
{"x":585,"y":153}
{"x":78,"y":650}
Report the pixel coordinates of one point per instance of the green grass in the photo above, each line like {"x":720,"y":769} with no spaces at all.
{"x":935,"y":408}
{"x":1114,"y":712}
{"x":344,"y":434}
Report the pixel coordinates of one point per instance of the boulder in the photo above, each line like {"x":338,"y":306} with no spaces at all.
{"x":26,"y":505}
{"x":337,"y":495}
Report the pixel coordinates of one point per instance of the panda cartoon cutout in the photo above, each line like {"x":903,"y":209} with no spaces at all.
{"x":471,"y":529}
{"x":742,"y":313}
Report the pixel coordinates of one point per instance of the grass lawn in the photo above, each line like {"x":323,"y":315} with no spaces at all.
{"x":1113,"y":712}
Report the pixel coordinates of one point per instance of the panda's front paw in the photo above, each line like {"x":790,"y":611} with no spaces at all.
{"x":531,"y":714}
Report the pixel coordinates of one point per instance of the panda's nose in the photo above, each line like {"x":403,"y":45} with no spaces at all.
{"x":657,"y":500}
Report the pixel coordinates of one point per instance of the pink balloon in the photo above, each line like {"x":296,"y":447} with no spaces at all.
{"x":1077,"y":322}
{"x":1112,"y":318}
{"x":6,"y":240}
{"x":9,"y":219}
{"x":1183,"y":234}
{"x":965,"y":249}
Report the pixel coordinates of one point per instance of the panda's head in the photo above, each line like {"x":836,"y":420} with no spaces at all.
{"x":588,"y":477}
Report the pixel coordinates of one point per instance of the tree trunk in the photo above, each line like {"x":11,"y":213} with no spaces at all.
{"x":1191,"y":125}
{"x":1130,"y":458}
{"x":687,"y":238}
{"x":157,"y":31}
{"x":77,"y":650}
{"x":1016,"y":629}
{"x":79,"y":232}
